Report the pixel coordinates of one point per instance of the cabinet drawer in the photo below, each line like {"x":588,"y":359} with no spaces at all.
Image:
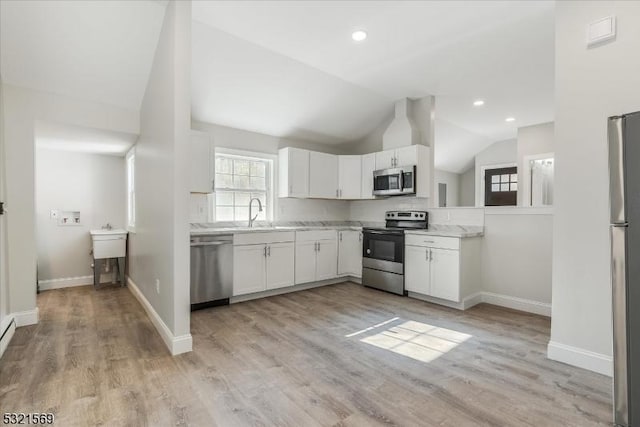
{"x":257,"y":237}
{"x":432,"y":241}
{"x":314,"y":235}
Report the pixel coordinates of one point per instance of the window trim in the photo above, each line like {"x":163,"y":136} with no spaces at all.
{"x":130,"y":158}
{"x":270,"y":184}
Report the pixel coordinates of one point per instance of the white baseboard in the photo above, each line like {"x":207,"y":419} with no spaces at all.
{"x":530,"y":306}
{"x":26,"y":318}
{"x":68,"y":282}
{"x":581,"y":358}
{"x":176,"y":344}
{"x":7,"y":329}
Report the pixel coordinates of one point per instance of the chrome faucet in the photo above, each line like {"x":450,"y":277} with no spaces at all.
{"x":251,"y":220}
{"x":107,"y":226}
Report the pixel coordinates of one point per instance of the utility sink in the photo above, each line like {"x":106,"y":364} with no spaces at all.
{"x":109,"y":243}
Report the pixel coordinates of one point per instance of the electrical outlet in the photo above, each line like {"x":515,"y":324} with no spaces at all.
{"x":158,"y":286}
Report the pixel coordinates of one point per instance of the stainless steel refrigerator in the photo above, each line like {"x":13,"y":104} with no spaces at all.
{"x":624,"y":170}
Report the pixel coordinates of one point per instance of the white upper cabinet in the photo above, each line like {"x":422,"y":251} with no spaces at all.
{"x":201,"y":163}
{"x":323,"y":175}
{"x":407,"y":156}
{"x":368,"y":167}
{"x":385,"y":159}
{"x":349,"y":177}
{"x":293,"y":172}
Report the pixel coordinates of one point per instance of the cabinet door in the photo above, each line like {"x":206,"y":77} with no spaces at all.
{"x":280,"y":265}
{"x":305,"y":270}
{"x":327,"y":260}
{"x":407,"y":156}
{"x":201,"y":163}
{"x":445,"y":274}
{"x":417,"y":269}
{"x":368,"y":166}
{"x":323,"y":175}
{"x":384,"y":159}
{"x":248,"y":269}
{"x":293,"y":172}
{"x":349,"y":253}
{"x":349,"y":176}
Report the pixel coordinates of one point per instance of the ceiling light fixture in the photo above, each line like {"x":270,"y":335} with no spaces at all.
{"x":359,"y":35}
{"x":510,"y":119}
{"x":478,"y":103}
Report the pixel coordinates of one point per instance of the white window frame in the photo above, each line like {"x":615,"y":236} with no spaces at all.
{"x":526,"y":175}
{"x":130,"y":170}
{"x":270,"y":183}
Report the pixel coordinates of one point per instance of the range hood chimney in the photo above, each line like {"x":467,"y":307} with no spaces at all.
{"x":402,"y":131}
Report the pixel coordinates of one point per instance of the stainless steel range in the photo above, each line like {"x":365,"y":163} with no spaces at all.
{"x":383,"y":250}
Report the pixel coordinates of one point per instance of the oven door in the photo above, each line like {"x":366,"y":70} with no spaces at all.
{"x":383,"y":250}
{"x":387,"y":182}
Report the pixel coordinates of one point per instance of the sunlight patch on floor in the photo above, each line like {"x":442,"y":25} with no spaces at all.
{"x":417,"y":340}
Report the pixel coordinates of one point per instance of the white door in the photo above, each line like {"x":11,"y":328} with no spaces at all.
{"x":201,"y":163}
{"x":323,"y":175}
{"x":298,"y":168}
{"x":349,"y":253}
{"x":305,"y":270}
{"x":349,"y":176}
{"x":280,"y":265}
{"x":416,"y":269}
{"x":368,"y":166}
{"x":445,"y":274}
{"x":327,"y":260}
{"x":407,"y":156}
{"x":248,"y":269}
{"x":385,"y":159}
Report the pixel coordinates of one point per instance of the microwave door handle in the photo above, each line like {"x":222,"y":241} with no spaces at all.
{"x":401,"y":180}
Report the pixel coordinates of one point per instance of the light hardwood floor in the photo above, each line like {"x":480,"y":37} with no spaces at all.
{"x":310,"y":358}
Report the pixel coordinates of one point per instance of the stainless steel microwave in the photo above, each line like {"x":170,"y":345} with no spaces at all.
{"x":394,"y":182}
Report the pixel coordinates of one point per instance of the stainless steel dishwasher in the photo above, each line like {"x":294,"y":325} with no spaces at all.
{"x":211,"y":270}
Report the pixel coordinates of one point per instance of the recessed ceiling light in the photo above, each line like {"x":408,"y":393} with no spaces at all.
{"x":359,"y":35}
{"x":478,"y":103}
{"x":510,"y":119}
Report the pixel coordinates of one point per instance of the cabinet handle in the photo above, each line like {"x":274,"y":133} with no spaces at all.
{"x":430,"y":255}
{"x":340,"y":235}
{"x":426,"y":254}
{"x":268,"y":250}
{"x":360,"y":237}
{"x":264,"y":252}
{"x":318,"y":246}
{"x":213,"y":185}
{"x":429,"y":241}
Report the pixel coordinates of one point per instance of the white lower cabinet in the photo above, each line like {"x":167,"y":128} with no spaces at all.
{"x":350,"y":253}
{"x":446,"y":268}
{"x":316,"y":256}
{"x":259,"y":267}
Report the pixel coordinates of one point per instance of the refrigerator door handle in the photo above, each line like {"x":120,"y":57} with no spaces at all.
{"x":616,"y":170}
{"x":619,"y":285}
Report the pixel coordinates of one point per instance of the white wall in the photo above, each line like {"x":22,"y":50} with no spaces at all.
{"x":22,"y":109}
{"x":499,"y":153}
{"x":159,"y":249}
{"x":93,"y":184}
{"x":590,"y":85}
{"x":532,"y":140}
{"x":468,"y":187}
{"x":516,"y":254}
{"x":452,"y":180}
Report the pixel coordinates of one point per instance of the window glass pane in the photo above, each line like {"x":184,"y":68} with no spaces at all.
{"x":495,"y":187}
{"x":241,"y":167}
{"x":258,"y":169}
{"x":504,"y":187}
{"x":240,"y":181}
{"x":242,"y":214}
{"x":495,"y":179}
{"x":224,"y":213}
{"x":224,"y":198}
{"x":514,"y":177}
{"x":257,"y":183}
{"x":504,"y":178}
{"x":242,"y":199}
{"x":224,"y":180}
{"x":223,"y":165}
{"x":514,"y":186}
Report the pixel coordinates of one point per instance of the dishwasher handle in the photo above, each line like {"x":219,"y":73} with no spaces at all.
{"x":197,"y":244}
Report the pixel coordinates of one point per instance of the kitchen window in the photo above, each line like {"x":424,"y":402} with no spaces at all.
{"x":130,"y":160}
{"x":240,"y":178}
